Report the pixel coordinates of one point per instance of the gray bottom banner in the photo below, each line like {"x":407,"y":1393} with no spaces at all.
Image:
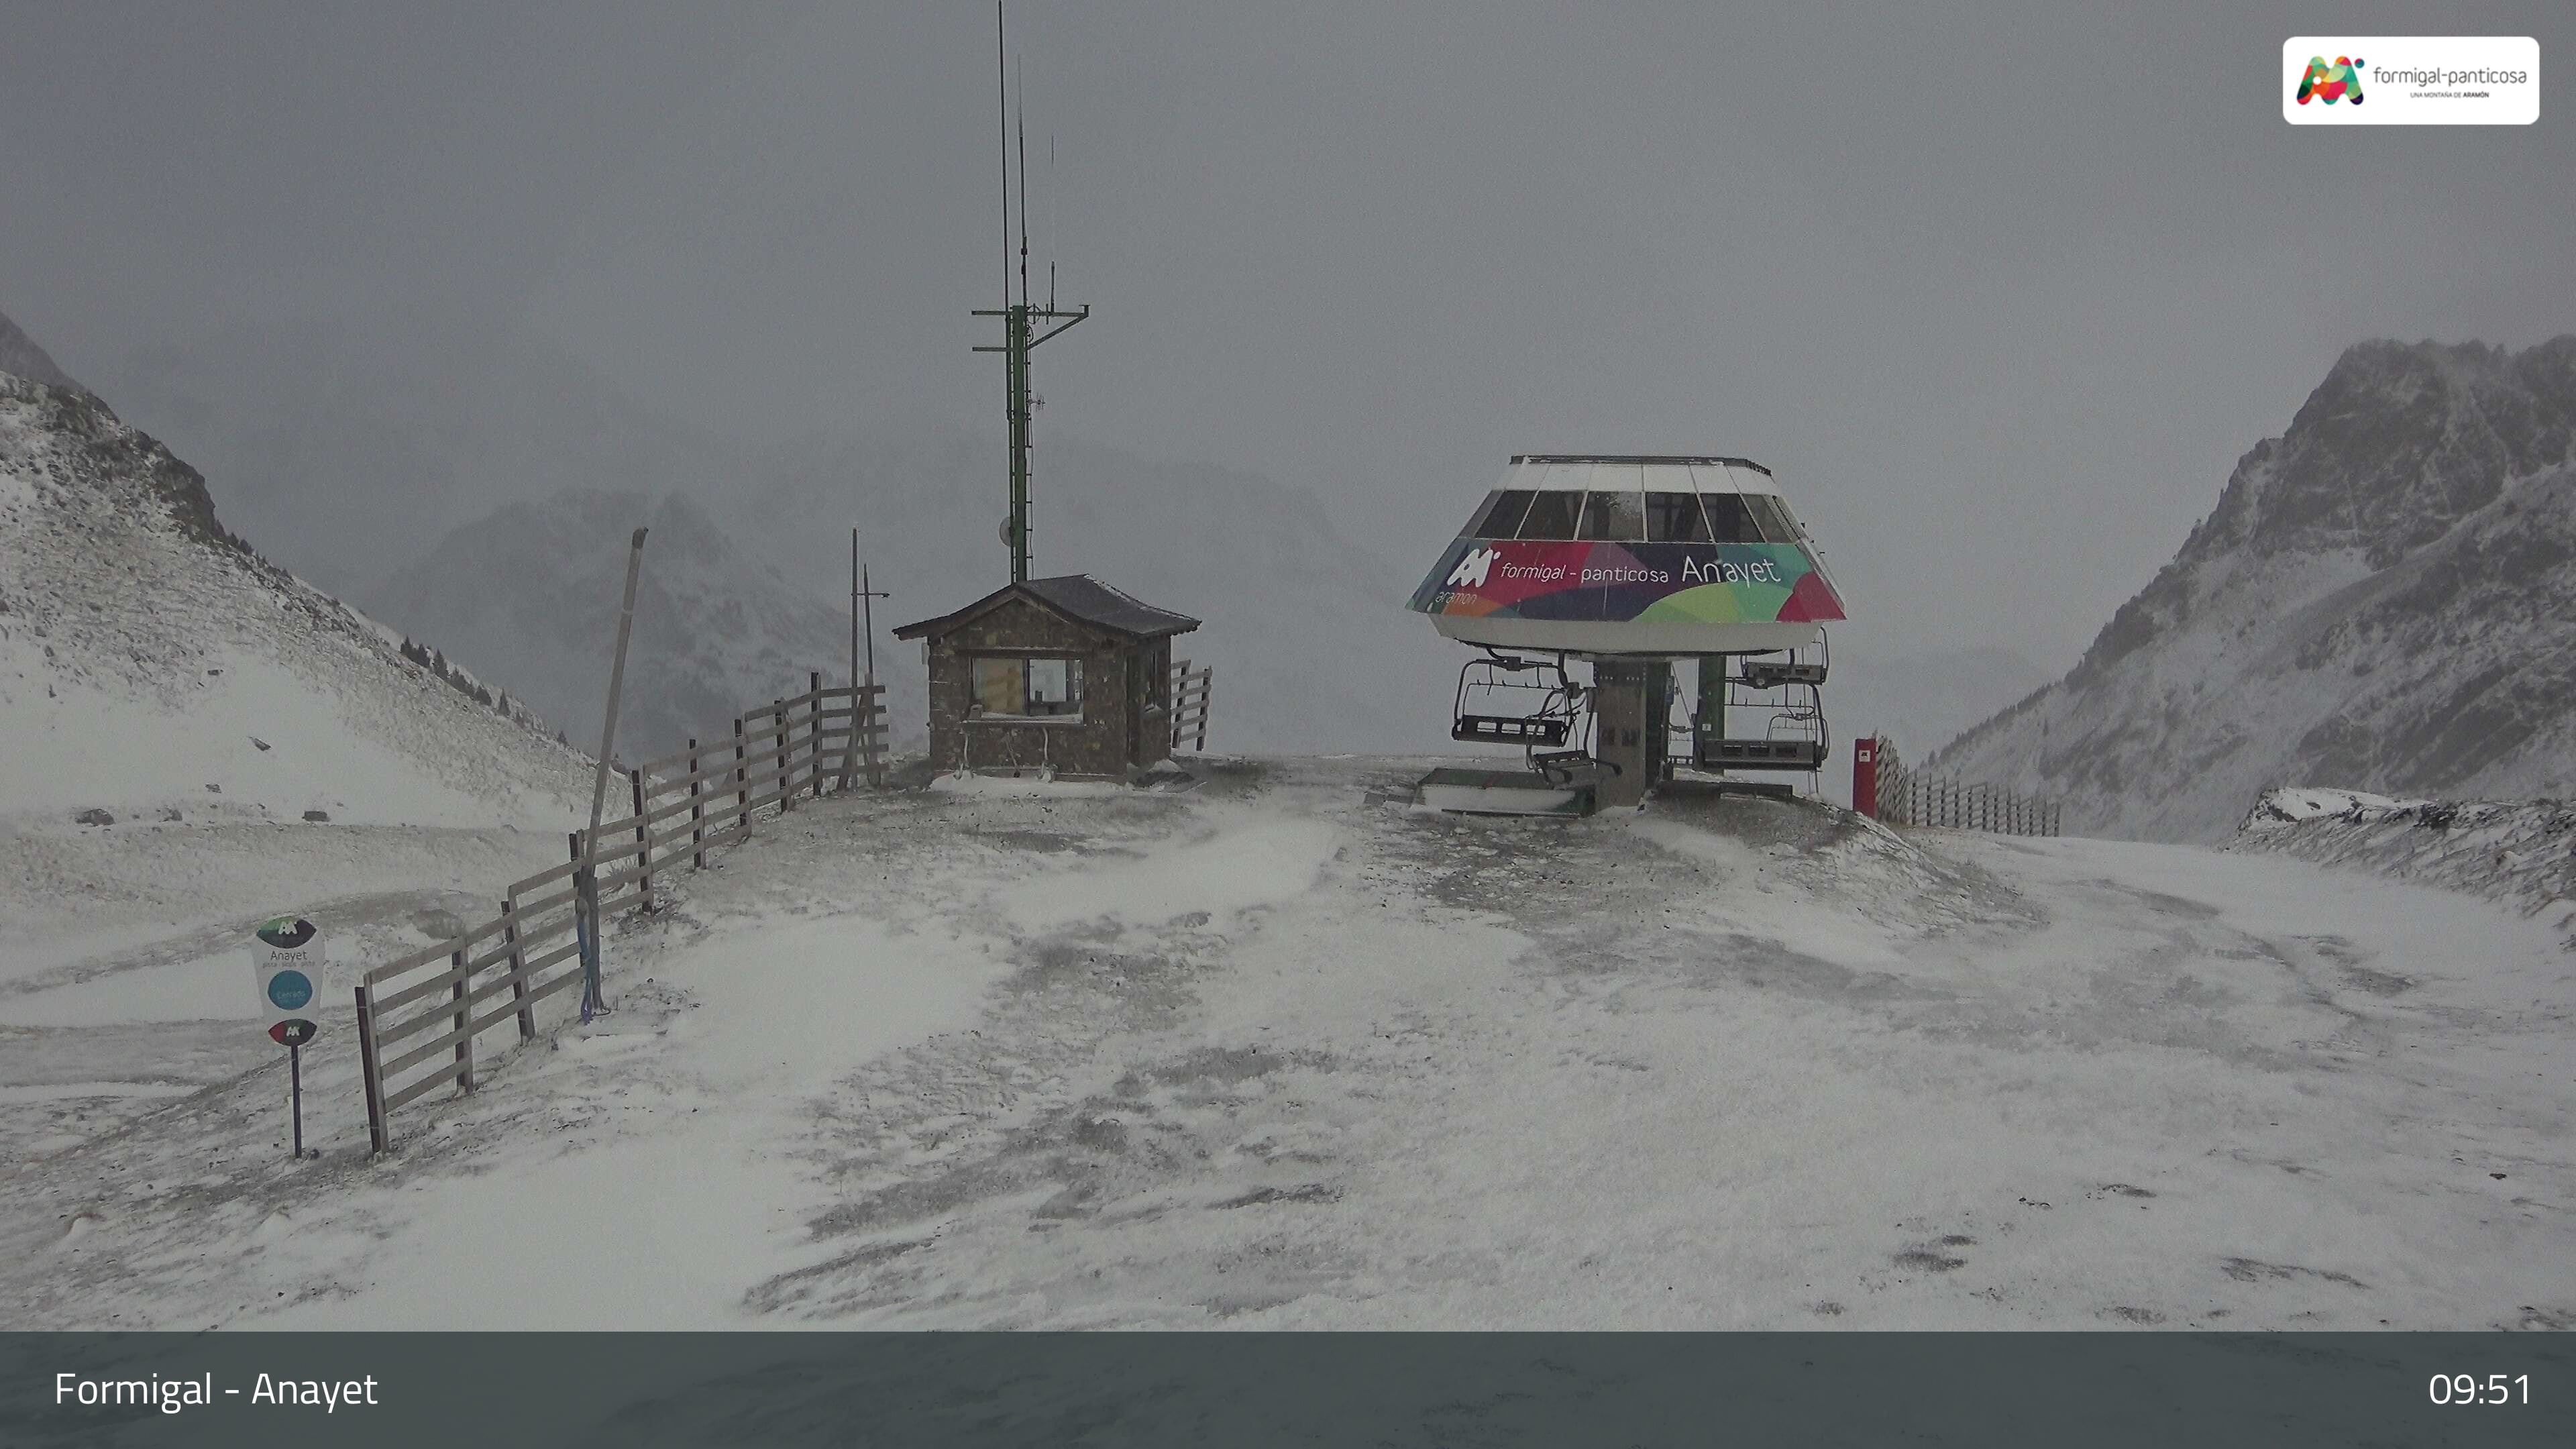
{"x":565,"y":1389}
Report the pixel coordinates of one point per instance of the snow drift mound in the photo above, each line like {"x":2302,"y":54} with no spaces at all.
{"x":2522,"y":852}
{"x":150,"y":662}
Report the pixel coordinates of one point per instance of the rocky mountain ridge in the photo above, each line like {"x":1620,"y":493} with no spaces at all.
{"x":2379,"y":602}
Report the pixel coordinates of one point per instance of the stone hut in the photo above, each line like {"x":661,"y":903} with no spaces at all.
{"x":1066,"y":674}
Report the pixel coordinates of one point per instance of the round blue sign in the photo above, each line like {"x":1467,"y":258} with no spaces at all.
{"x":289,"y":990}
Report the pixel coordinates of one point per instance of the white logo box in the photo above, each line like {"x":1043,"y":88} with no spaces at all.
{"x":2419,"y":80}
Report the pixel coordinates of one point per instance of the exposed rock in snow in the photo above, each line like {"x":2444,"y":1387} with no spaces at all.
{"x":2380,"y":598}
{"x":2521,"y":852}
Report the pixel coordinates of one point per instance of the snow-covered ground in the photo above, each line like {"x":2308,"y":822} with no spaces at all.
{"x":2517,"y":852}
{"x":1282,"y":1051}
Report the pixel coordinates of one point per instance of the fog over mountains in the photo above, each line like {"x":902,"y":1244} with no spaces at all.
{"x":2374,"y":604}
{"x":2381,"y":601}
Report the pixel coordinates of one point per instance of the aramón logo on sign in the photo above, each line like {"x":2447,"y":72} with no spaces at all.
{"x":1473,"y":569}
{"x":2340,"y":81}
{"x":286,"y":932}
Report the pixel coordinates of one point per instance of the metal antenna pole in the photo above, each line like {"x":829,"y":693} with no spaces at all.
{"x":1002,"y":76}
{"x":1019,"y":334}
{"x":586,"y":884}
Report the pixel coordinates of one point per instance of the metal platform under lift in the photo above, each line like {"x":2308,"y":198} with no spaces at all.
{"x":1464,"y":791}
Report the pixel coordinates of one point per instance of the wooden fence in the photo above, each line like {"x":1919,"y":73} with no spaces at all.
{"x":1911,"y":797}
{"x":417,"y":1023}
{"x":1192,"y":689}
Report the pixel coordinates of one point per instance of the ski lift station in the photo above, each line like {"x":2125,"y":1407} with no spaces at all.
{"x":1635,"y":571}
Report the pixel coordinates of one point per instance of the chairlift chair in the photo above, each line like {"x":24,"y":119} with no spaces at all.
{"x":1793,"y":666}
{"x":1796,"y":737}
{"x":1541,"y":712}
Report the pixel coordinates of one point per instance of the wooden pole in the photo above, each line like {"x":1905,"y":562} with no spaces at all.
{"x":518,"y":962}
{"x":643,"y":839}
{"x":367,"y":1072}
{"x":697,"y":812}
{"x":741,"y":780}
{"x":464,"y":1023}
{"x":785,"y":763}
{"x":814,"y":713}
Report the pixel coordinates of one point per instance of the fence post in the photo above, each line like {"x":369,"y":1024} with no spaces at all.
{"x":1207,"y":704}
{"x":814,"y":714}
{"x":464,"y":1022}
{"x":741,"y":782}
{"x":643,"y":839}
{"x":697,"y":812}
{"x":518,"y":963}
{"x":786,"y":763}
{"x":367,"y":1072}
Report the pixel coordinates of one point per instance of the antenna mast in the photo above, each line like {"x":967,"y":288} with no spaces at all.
{"x":1020,"y":320}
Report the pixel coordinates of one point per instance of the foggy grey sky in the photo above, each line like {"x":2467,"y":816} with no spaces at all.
{"x":2001,"y":291}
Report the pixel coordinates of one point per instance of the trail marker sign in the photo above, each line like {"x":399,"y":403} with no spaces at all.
{"x":286,"y":964}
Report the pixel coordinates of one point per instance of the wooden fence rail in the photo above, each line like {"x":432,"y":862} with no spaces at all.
{"x":419,"y":1016}
{"x":1192,"y":690}
{"x":1911,"y":797}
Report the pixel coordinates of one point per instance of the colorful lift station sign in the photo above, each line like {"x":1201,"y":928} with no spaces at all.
{"x":1683,"y":583}
{"x":286,"y":962}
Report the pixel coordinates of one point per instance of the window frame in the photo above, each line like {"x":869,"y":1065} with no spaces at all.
{"x":1024,"y":665}
{"x":1600,"y":507}
{"x":1488,"y":522}
{"x":1689,"y":503}
{"x":1540,"y":501}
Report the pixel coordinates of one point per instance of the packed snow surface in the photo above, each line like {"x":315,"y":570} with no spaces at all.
{"x":1282,"y":1051}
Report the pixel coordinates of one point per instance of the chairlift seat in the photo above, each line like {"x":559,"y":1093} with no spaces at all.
{"x":1568,"y":767}
{"x":1511,"y":729}
{"x":1774,"y":675}
{"x":1714,"y":753}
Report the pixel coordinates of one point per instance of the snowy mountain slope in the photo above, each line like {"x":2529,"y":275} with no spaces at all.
{"x":2380,"y":599}
{"x":150,"y":663}
{"x":21,"y":357}
{"x":1276,"y":1053}
{"x":530,"y":595}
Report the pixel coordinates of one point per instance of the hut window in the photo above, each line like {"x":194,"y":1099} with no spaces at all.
{"x":1028,"y":688}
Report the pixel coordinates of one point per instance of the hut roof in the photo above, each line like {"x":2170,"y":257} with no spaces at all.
{"x":1077,"y":596}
